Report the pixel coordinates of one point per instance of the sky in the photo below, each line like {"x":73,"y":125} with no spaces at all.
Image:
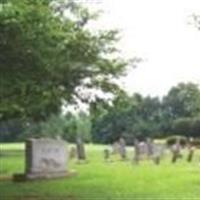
{"x":161,"y":33}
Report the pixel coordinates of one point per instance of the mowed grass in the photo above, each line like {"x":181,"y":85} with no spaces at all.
{"x":100,"y":180}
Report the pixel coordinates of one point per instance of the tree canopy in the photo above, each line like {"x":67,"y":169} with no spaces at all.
{"x":47,"y":51}
{"x":177,"y":113}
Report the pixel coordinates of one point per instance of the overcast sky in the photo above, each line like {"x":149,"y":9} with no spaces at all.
{"x":159,"y":32}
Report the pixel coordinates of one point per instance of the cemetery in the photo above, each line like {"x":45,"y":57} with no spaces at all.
{"x":106,"y":174}
{"x":100,"y":100}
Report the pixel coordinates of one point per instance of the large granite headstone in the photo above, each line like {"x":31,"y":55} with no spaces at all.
{"x":45,"y":158}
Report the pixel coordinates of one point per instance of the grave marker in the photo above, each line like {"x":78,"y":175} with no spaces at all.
{"x":45,"y":158}
{"x":122,"y":148}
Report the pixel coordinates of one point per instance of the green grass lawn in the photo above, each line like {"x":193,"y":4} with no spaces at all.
{"x":99,"y":180}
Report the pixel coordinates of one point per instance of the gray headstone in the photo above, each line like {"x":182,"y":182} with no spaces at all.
{"x":191,"y":150}
{"x":45,"y":158}
{"x":149,"y":149}
{"x":72,"y":152}
{"x":106,"y":154}
{"x":150,"y":146}
{"x":115,"y":148}
{"x":143,"y":150}
{"x":122,"y":148}
{"x":158,"y":152}
{"x":136,"y":151}
{"x":176,"y":151}
{"x":80,"y":149}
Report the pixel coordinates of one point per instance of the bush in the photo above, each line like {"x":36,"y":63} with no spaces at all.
{"x":187,"y":127}
{"x":173,"y":139}
{"x":196,"y":142}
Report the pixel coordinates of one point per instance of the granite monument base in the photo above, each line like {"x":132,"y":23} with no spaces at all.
{"x":42,"y":176}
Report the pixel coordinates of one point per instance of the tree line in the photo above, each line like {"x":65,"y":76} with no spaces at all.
{"x":177,"y":113}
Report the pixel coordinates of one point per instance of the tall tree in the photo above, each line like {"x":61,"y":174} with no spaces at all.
{"x":46,"y":52}
{"x":179,"y":106}
{"x":182,"y":100}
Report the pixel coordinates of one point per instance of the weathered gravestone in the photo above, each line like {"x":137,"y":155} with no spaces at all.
{"x":143,"y":150}
{"x":72,"y":153}
{"x":45,"y":158}
{"x":80,"y":149}
{"x":150,"y":147}
{"x":136,"y":151}
{"x":191,"y":150}
{"x":148,"y":150}
{"x":122,"y":148}
{"x":176,"y":151}
{"x":140,"y":151}
{"x":158,"y":152}
{"x":115,"y":147}
{"x":106,"y":155}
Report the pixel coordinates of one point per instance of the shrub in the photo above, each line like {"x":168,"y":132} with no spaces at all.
{"x":196,"y":142}
{"x":173,"y":139}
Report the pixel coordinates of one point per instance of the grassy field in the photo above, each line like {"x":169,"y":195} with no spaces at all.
{"x":99,"y":180}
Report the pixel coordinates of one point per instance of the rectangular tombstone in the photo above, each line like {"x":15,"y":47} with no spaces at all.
{"x":45,"y":158}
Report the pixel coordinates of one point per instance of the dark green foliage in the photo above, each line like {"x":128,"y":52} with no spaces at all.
{"x":174,"y":139}
{"x":195,"y":142}
{"x":129,"y":117}
{"x":136,"y":116}
{"x":182,"y":101}
{"x":189,"y":127}
{"x":77,"y":125}
{"x":11,"y":130}
{"x":67,"y":127}
{"x":45,"y":56}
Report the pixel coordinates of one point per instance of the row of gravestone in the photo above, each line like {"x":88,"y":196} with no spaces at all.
{"x":148,"y":150}
{"x":48,"y":158}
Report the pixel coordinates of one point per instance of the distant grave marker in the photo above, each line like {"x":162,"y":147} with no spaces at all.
{"x":106,"y":155}
{"x":158,"y":152}
{"x":80,"y":149}
{"x":148,"y":150}
{"x":122,"y":148}
{"x":143,"y":150}
{"x":150,"y":147}
{"x":115,"y":148}
{"x":72,"y":153}
{"x":190,"y":156}
{"x":176,"y":151}
{"x":137,"y":151}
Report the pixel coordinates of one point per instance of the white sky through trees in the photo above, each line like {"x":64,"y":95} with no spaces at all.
{"x":159,"y":32}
